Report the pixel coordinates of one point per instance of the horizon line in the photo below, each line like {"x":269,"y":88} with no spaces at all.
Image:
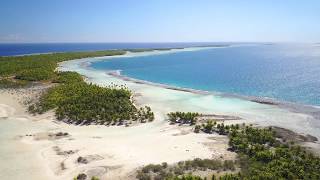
{"x":158,"y":42}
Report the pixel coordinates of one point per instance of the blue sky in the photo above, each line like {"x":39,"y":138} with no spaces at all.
{"x":159,"y":20}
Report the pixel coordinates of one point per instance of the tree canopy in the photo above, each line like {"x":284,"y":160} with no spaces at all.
{"x":262,"y":156}
{"x":42,"y":66}
{"x":73,"y":100}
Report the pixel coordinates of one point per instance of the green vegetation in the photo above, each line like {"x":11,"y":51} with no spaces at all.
{"x":68,"y":77}
{"x":262,"y":156}
{"x":77,"y":102}
{"x":183,"y":117}
{"x":83,"y":176}
{"x":163,"y":171}
{"x":186,"y":177}
{"x":212,"y":126}
{"x":94,"y":178}
{"x":41,"y":67}
{"x":73,"y":100}
{"x":9,"y":83}
{"x":144,"y":114}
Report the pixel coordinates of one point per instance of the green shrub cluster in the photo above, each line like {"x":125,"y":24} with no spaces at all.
{"x":262,"y":156}
{"x":82,"y":103}
{"x":183,"y":117}
{"x":186,"y":177}
{"x":67,"y":77}
{"x":83,"y":176}
{"x":212,"y":126}
{"x":163,"y":171}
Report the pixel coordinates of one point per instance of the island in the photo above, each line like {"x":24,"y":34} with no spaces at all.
{"x":83,"y":130}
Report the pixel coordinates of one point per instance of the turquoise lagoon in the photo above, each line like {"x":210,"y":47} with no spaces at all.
{"x":285,"y":72}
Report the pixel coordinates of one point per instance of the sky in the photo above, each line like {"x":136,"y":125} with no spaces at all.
{"x":159,"y":21}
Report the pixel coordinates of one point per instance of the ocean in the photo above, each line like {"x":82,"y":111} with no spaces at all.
{"x":285,"y":72}
{"x":11,"y":49}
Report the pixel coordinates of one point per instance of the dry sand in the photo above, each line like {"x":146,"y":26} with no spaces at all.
{"x":111,"y":152}
{"x":32,"y":149}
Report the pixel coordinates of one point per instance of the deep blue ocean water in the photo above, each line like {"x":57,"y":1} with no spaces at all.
{"x":11,"y":49}
{"x":286,"y":72}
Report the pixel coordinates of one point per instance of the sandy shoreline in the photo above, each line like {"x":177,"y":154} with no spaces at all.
{"x":113,"y":152}
{"x":116,"y":152}
{"x":311,"y":110}
{"x":262,"y":111}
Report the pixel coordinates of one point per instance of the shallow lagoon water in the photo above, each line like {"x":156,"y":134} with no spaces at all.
{"x":163,"y":100}
{"x":21,"y":160}
{"x":286,"y":72}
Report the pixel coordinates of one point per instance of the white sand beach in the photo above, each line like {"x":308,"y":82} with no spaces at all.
{"x":32,"y":147}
